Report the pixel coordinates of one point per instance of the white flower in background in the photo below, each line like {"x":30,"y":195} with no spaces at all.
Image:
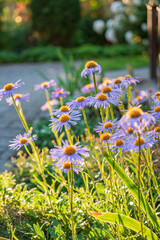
{"x":118,"y":21}
{"x":145,"y":41}
{"x":116,"y":7}
{"x":132,"y":18}
{"x":98,"y":26}
{"x":144,"y":27}
{"x":137,"y":2}
{"x":129,"y":37}
{"x":110,"y":35}
{"x":110,"y":23}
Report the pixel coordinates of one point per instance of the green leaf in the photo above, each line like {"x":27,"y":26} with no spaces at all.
{"x":134,"y":191}
{"x":125,"y":221}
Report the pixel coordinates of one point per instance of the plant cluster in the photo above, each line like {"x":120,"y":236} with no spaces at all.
{"x":86,"y":187}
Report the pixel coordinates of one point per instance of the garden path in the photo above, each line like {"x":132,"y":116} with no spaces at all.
{"x":10,"y":125}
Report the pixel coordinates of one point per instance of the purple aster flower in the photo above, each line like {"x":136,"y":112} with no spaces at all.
{"x":131,"y":80}
{"x":20,"y":140}
{"x":155,"y":111}
{"x":9,"y":88}
{"x":136,"y":119}
{"x":88,"y":88}
{"x":119,"y":144}
{"x":48,"y":104}
{"x":112,"y":92}
{"x":77,"y":166}
{"x":143,"y":96}
{"x":71,"y":153}
{"x":64,"y":110}
{"x":59,"y":92}
{"x":18,"y":98}
{"x":45,"y":85}
{"x":79,"y":103}
{"x":64,"y":120}
{"x":90,"y":68}
{"x":105,"y":137}
{"x":156,"y":97}
{"x":120,"y":83}
{"x":101,"y":100}
{"x":106,"y":126}
{"x":146,"y":141}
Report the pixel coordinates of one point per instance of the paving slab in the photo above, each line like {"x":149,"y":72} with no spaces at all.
{"x":10,"y":124}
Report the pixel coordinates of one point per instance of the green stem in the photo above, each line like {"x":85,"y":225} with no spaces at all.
{"x":20,"y":116}
{"x":61,"y":101}
{"x":112,"y":113}
{"x":95,"y":86}
{"x":50,"y":111}
{"x":102,"y":113}
{"x":122,"y":105}
{"x":71,"y":204}
{"x":139,"y":185}
{"x":74,"y":135}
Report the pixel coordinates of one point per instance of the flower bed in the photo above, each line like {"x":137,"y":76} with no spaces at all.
{"x":87,"y":186}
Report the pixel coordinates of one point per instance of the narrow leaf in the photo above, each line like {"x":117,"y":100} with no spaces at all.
{"x":125,"y":221}
{"x":134,"y":191}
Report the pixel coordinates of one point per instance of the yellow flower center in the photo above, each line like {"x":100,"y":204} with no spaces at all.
{"x":136,"y":91}
{"x":17,"y":96}
{"x":150,"y":90}
{"x":91,"y":64}
{"x":128,"y":76}
{"x":157,"y":94}
{"x":157,"y":129}
{"x":69,"y":150}
{"x":117,"y":81}
{"x":130,"y":130}
{"x":64,"y":109}
{"x":102,"y":97}
{"x":119,"y":142}
{"x":106,"y":90}
{"x":66,"y":165}
{"x":64,"y":118}
{"x":105,"y":136}
{"x":106,"y":81}
{"x":108,"y":125}
{"x":134,"y":112}
{"x":88,"y":86}
{"x":60,"y":92}
{"x":8,"y":87}
{"x":44,"y":84}
{"x":157,"y":109}
{"x":139,"y":141}
{"x":138,"y":98}
{"x":23,"y":140}
{"x":80,"y":99}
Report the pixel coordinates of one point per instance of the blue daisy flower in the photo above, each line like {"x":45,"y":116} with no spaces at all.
{"x":64,"y":120}
{"x":20,"y":140}
{"x":146,"y":141}
{"x":106,"y":82}
{"x":120,"y":83}
{"x":71,"y":153}
{"x":131,"y":80}
{"x":155,"y":111}
{"x":18,"y":98}
{"x":88,"y":88}
{"x":9,"y":88}
{"x":45,"y":85}
{"x":101,"y":100}
{"x":106,"y":126}
{"x":118,"y":144}
{"x":77,"y":166}
{"x":90,"y":68}
{"x":59,"y":92}
{"x":79,"y":103}
{"x":64,"y":110}
{"x":112,"y":92}
{"x":136,"y":119}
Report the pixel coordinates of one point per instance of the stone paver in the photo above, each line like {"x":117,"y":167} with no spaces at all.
{"x":10,"y":124}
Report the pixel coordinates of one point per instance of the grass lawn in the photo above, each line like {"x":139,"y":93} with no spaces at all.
{"x":121,"y":62}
